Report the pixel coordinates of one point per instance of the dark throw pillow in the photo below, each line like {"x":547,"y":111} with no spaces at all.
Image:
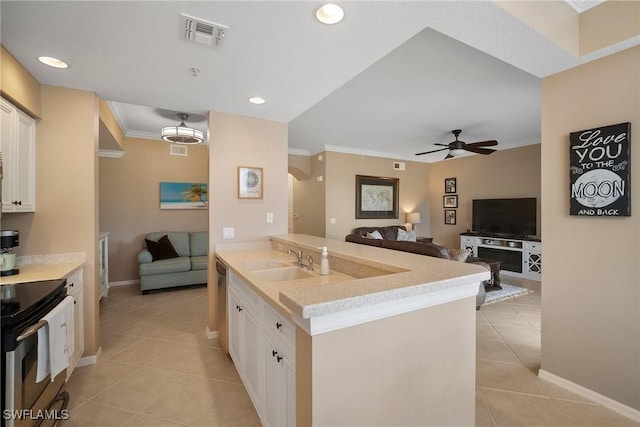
{"x":162,"y":249}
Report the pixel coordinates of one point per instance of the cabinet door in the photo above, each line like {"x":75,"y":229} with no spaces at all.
{"x":25,"y":162}
{"x":271,"y":415}
{"x":251,"y":355}
{"x":74,"y":289}
{"x":7,"y":147}
{"x":233,"y":307}
{"x":289,"y":393}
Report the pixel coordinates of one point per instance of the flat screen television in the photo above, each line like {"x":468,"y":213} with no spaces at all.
{"x":508,"y":217}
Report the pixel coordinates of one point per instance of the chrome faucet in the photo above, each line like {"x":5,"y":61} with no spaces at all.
{"x":298,"y":254}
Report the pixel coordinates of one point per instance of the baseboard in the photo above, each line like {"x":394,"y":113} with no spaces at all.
{"x":620,"y":408}
{"x":90,"y":360}
{"x":124,"y":283}
{"x":211,"y":334}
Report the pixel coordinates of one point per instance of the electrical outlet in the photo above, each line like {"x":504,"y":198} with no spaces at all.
{"x":228,"y":232}
{"x":269,"y":217}
{"x":333,"y":220}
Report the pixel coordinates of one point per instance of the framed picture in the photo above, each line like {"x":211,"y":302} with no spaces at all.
{"x":450,"y":216}
{"x":376,"y":197}
{"x":249,"y":182}
{"x":450,"y":186}
{"x":183,"y":195}
{"x":450,"y":201}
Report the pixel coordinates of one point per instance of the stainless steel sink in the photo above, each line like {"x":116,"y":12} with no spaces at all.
{"x":281,"y":274}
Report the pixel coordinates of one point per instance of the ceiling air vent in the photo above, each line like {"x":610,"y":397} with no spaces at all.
{"x":203,"y":32}
{"x":177,"y":150}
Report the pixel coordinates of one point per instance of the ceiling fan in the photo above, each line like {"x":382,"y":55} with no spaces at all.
{"x":458,"y":147}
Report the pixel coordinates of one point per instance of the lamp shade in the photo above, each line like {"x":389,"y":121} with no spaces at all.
{"x":457,"y":152}
{"x":414,"y":218}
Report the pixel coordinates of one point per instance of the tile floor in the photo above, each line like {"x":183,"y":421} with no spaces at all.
{"x":159,"y":369}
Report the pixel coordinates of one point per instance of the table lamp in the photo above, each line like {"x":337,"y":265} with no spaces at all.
{"x":413,"y":218}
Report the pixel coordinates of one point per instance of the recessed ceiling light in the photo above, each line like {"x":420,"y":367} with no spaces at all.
{"x":53,"y":62}
{"x":257,"y":100}
{"x":330,"y":14}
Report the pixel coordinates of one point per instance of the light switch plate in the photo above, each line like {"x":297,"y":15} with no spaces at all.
{"x":228,"y":232}
{"x":269,"y":217}
{"x":333,"y":220}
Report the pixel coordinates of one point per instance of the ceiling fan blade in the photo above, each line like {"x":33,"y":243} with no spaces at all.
{"x":432,"y":151}
{"x":444,"y":145}
{"x":479,"y":150}
{"x":449,"y":156}
{"x":483,"y":144}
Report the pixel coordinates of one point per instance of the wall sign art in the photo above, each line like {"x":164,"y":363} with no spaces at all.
{"x":183,"y":195}
{"x":249,"y":182}
{"x":376,"y":197}
{"x":600,"y":172}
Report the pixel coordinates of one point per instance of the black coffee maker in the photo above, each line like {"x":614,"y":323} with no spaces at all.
{"x":9,"y":239}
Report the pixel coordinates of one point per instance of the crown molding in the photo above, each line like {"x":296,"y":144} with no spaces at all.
{"x":114,"y":154}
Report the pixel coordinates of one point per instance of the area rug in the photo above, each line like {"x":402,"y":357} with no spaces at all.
{"x":507,"y":292}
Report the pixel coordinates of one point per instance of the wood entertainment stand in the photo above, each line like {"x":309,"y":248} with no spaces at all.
{"x":520,"y":256}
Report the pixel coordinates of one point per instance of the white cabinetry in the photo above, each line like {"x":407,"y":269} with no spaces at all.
{"x":18,"y":132}
{"x":262,"y":346}
{"x":103,"y":251}
{"x":74,"y":289}
{"x":520,"y":258}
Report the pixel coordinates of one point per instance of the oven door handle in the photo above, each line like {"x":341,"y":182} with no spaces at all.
{"x":31,"y":330}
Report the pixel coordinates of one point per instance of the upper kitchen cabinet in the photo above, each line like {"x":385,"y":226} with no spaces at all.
{"x":18,"y":159}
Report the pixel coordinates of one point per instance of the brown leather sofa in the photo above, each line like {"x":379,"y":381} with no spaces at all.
{"x":389,"y":241}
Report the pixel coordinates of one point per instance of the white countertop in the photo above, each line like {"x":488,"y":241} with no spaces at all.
{"x":38,"y":272}
{"x":409,"y":275}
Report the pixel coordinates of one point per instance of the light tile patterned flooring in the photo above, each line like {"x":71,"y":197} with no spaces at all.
{"x":159,"y":369}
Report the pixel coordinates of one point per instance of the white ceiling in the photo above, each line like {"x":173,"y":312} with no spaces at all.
{"x":389,"y":80}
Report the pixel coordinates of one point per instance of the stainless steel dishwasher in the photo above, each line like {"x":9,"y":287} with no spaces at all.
{"x":221,"y":304}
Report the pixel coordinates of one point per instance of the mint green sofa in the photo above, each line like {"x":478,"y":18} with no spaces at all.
{"x":189,"y":268}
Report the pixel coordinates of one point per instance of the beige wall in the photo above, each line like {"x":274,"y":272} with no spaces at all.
{"x":608,"y":23}
{"x":340,"y":184}
{"x":309,"y":199}
{"x":18,"y":85}
{"x":244,"y":141}
{"x":66,"y":217}
{"x":130,"y":199}
{"x":556,"y":20}
{"x":402,"y":370}
{"x":111,"y":136}
{"x":591,"y":265}
{"x":503,"y":174}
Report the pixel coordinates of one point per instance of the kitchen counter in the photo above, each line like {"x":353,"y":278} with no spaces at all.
{"x":388,"y":338}
{"x":37,"y":272}
{"x":368,"y":276}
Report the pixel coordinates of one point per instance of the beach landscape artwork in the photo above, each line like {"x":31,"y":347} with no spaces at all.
{"x":183,"y":195}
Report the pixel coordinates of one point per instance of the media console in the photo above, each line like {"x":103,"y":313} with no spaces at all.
{"x":521,"y":257}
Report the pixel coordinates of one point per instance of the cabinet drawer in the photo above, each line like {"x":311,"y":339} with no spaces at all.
{"x":74,"y":283}
{"x":533,"y":245}
{"x":246,"y":294}
{"x":278,"y":324}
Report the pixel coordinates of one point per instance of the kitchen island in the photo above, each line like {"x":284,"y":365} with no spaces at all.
{"x":388,"y":338}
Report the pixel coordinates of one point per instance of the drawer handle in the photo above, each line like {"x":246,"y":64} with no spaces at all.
{"x":239,"y":308}
{"x":274,"y":353}
{"x":278,"y":325}
{"x":71,"y":285}
{"x":278,"y":358}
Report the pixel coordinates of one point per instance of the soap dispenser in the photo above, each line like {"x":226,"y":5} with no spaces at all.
{"x":324,"y":261}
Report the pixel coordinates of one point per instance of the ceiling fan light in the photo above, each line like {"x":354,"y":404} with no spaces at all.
{"x":457,"y":152}
{"x":182,"y":134}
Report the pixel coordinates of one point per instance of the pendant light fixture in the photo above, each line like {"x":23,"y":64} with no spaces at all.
{"x":182,"y":134}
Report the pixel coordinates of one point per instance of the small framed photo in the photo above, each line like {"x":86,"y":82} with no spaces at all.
{"x":249,"y":182}
{"x":450,"y":201}
{"x":450,"y":216}
{"x":450,"y":186}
